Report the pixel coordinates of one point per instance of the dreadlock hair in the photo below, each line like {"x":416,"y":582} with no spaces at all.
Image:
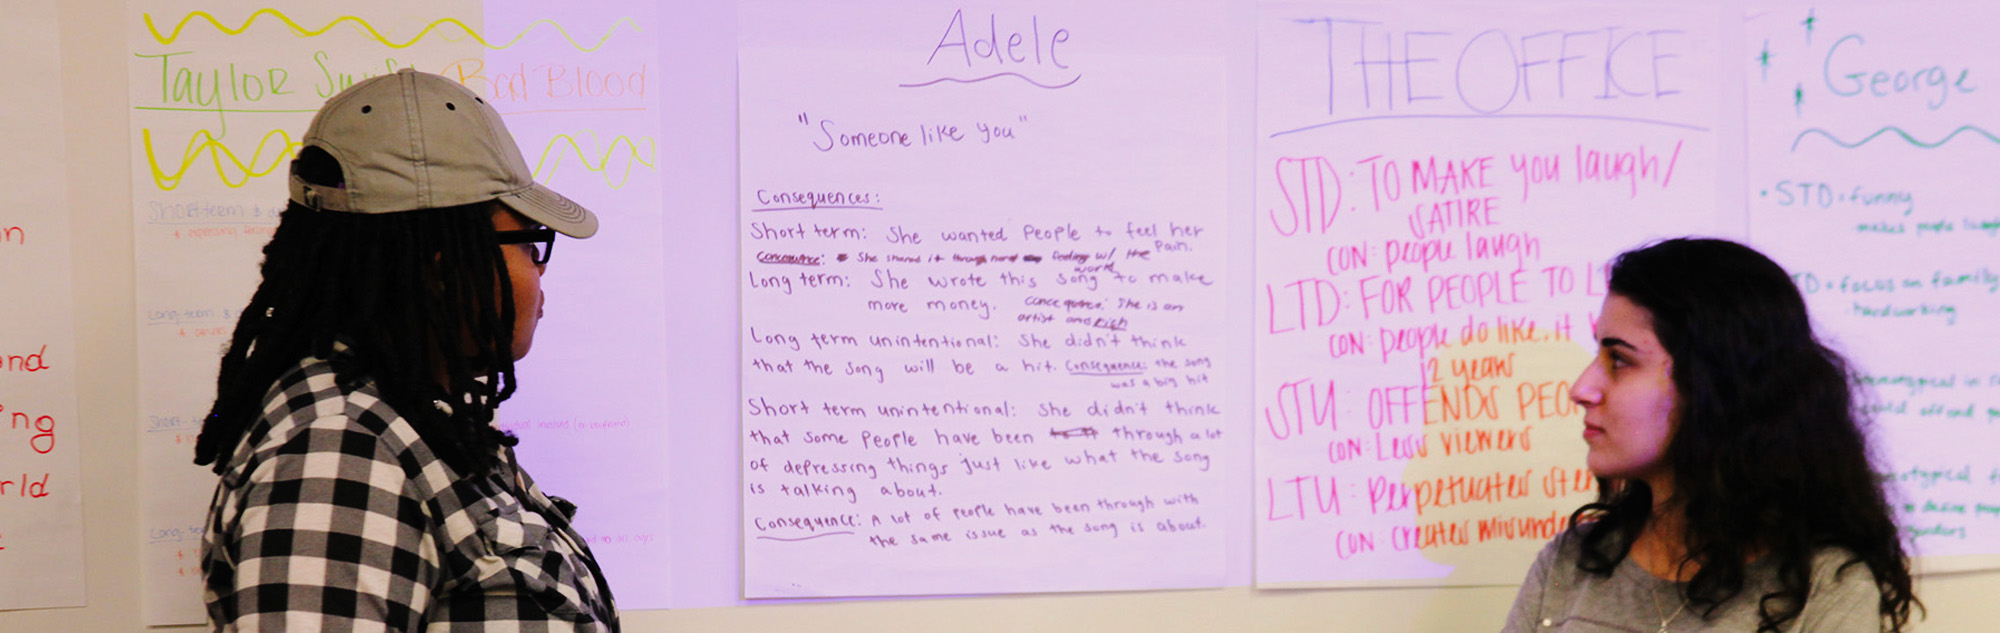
{"x":1769,"y":456}
{"x":411,"y":295}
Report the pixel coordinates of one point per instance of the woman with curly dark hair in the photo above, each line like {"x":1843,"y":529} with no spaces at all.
{"x":1736,"y":488}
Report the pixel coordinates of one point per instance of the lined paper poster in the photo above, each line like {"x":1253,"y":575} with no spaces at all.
{"x":220,"y":96}
{"x":1437,"y":195}
{"x":41,"y":494}
{"x":1861,"y":134}
{"x":982,"y":282}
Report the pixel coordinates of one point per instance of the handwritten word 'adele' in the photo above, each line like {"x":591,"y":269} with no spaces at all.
{"x":1024,"y":48}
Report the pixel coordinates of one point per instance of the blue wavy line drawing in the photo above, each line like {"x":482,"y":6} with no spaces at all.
{"x":1899,"y":132}
{"x":1020,"y":76}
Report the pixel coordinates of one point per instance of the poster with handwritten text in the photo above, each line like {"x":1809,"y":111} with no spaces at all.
{"x":1861,"y":132}
{"x":982,"y":286}
{"x":41,"y":494}
{"x":1437,"y":193}
{"x":220,"y":94}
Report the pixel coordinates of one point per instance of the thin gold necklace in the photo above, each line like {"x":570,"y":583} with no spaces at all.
{"x":1667,"y":619}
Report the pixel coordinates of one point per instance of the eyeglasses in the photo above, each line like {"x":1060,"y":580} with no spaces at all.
{"x":543,"y":241}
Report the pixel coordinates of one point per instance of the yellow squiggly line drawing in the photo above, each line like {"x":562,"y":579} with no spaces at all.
{"x":203,"y":141}
{"x":360,"y":23}
{"x":640,"y":156}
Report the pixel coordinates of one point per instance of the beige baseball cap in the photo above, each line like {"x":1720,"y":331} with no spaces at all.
{"x":411,"y":140}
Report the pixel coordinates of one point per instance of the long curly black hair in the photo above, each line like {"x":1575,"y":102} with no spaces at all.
{"x":411,"y":295}
{"x":1770,"y":459}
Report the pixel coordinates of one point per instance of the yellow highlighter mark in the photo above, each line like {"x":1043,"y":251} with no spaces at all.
{"x":236,"y":173}
{"x":234,"y":170}
{"x":637,"y":151}
{"x":369,"y":29}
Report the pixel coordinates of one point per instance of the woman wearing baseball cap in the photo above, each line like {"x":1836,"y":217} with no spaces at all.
{"x":363,"y":486}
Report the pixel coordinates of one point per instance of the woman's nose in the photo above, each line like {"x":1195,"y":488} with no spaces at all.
{"x":1588,"y":390}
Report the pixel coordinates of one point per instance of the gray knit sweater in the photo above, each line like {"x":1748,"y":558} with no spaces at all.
{"x":1557,"y":597}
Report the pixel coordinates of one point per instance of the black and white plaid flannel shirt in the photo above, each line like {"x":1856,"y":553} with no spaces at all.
{"x":334,"y":515}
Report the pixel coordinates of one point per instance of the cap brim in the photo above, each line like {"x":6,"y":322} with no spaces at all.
{"x":544,"y":205}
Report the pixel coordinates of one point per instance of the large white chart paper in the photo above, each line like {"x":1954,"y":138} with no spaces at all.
{"x":41,"y":496}
{"x":982,"y":280}
{"x":1437,"y":194}
{"x":1862,"y":129}
{"x":220,"y":96}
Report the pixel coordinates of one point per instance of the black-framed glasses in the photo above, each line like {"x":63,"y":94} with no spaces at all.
{"x":542,"y":240}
